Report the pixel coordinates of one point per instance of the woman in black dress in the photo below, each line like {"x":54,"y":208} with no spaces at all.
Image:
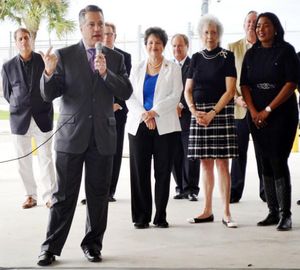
{"x":268,"y":80}
{"x":209,"y":93}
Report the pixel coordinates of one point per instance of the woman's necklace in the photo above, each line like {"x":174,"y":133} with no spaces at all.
{"x":222,"y":53}
{"x":155,"y":66}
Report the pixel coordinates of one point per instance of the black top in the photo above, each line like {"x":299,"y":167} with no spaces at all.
{"x":266,"y":70}
{"x":208,"y":69}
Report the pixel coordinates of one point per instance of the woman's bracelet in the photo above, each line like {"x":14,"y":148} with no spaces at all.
{"x":214,"y":110}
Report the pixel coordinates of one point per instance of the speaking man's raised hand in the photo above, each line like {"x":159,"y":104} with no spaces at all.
{"x":50,"y":60}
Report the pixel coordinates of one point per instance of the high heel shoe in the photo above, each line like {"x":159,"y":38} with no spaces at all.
{"x":201,"y":220}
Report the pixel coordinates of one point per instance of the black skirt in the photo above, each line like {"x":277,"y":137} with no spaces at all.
{"x":218,"y":139}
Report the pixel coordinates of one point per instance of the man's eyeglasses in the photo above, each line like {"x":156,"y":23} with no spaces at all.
{"x":109,"y":34}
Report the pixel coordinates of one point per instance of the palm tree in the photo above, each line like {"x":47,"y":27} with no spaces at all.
{"x":30,"y":13}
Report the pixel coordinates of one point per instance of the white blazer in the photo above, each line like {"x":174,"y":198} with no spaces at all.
{"x":167,"y":94}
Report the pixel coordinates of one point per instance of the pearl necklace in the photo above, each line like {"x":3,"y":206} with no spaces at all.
{"x":222,"y":53}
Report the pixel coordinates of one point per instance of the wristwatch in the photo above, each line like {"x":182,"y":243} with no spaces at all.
{"x":180,"y":105}
{"x":268,"y":109}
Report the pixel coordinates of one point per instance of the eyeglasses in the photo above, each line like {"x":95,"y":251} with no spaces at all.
{"x":109,"y":34}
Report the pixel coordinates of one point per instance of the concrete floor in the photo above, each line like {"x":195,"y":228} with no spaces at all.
{"x":182,"y":246}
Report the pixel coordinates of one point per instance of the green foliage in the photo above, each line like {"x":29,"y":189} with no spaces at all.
{"x":30,"y":13}
{"x":4,"y":115}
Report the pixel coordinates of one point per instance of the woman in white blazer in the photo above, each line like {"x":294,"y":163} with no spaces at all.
{"x":152,"y":125}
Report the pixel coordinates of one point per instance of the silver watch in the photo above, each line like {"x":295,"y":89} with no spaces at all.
{"x":268,"y":109}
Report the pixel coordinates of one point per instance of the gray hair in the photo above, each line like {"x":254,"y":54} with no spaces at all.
{"x":210,"y":19}
{"x":89,"y":8}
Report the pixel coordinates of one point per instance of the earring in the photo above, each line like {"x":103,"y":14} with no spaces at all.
{"x":275,"y":33}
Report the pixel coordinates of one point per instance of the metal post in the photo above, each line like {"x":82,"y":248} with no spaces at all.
{"x":10,"y":45}
{"x":139,"y":35}
{"x":190,"y":36}
{"x":204,"y":7}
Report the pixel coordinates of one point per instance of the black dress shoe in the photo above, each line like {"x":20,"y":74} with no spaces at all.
{"x":271,"y":219}
{"x":92,"y":255}
{"x":234,"y":200}
{"x":201,"y":220}
{"x":193,"y":197}
{"x":46,"y":258}
{"x":139,"y":225}
{"x":263,"y":197}
{"x":180,"y":196}
{"x":164,"y":224}
{"x":298,"y":202}
{"x":111,"y":199}
{"x":285,"y":224}
{"x":83,"y":202}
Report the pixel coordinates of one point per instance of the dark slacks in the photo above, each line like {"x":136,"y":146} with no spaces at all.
{"x":117,"y":160}
{"x":185,"y":171}
{"x":238,"y":166}
{"x":97,"y":181}
{"x":145,"y":145}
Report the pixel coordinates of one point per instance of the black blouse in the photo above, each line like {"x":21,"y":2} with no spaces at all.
{"x":209,"y":69}
{"x":266,"y":70}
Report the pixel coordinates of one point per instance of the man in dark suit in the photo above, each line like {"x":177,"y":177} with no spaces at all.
{"x":30,"y":116}
{"x":87,"y":85}
{"x":185,"y":172}
{"x":120,"y":108}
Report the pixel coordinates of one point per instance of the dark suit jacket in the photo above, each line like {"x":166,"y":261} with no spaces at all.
{"x":185,"y":118}
{"x":121,"y":115}
{"x":86,"y":99}
{"x":25,"y":103}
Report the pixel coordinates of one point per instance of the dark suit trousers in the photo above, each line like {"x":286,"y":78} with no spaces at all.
{"x":117,"y":161}
{"x":97,"y":181}
{"x":145,"y":145}
{"x":185,"y":172}
{"x":238,"y":166}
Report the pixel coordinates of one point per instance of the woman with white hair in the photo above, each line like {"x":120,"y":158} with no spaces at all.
{"x":209,"y":93}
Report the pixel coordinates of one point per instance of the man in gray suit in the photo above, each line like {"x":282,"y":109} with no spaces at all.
{"x":87,"y":132}
{"x":29,"y":116}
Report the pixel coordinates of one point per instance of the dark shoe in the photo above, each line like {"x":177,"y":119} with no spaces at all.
{"x":141,"y":225}
{"x":164,"y":224}
{"x":83,"y":202}
{"x":92,"y":255}
{"x":229,"y":223}
{"x":285,"y":224}
{"x":29,"y":203}
{"x":46,"y":258}
{"x":111,"y":199}
{"x":201,"y":220}
{"x":234,"y":200}
{"x":298,"y":202}
{"x":271,"y":219}
{"x":263,"y":197}
{"x":180,"y":196}
{"x":193,"y":197}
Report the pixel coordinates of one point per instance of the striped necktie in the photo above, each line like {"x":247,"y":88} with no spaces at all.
{"x":92,"y":54}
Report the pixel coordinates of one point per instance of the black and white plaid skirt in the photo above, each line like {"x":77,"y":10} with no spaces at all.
{"x":218,"y":139}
